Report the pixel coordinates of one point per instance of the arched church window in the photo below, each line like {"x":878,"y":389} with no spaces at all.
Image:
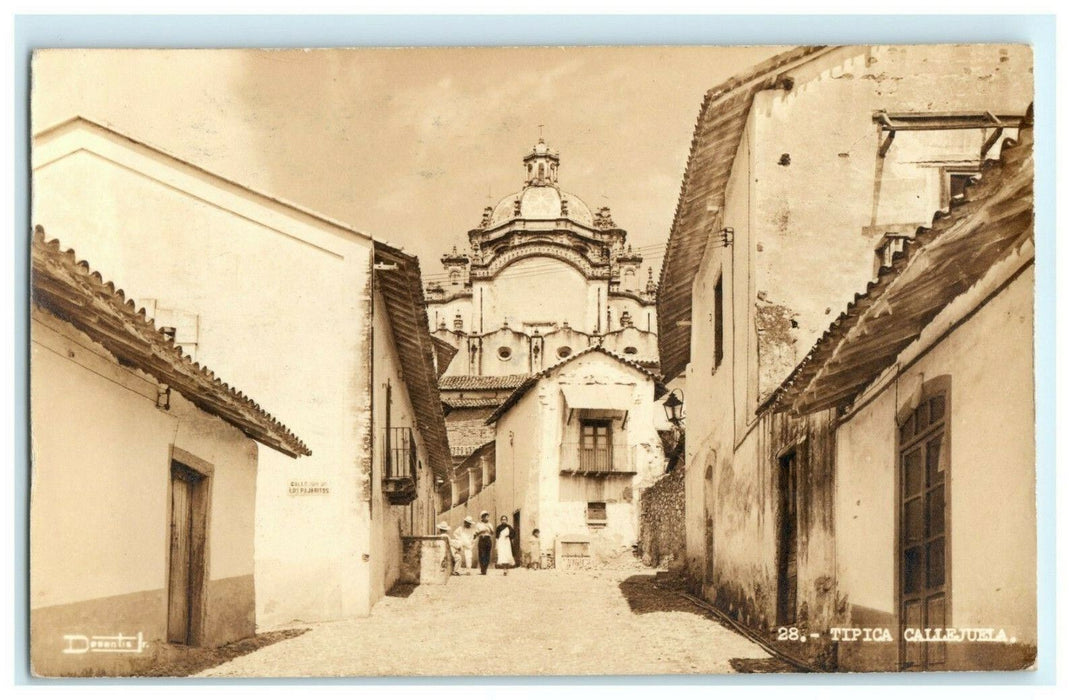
{"x":542,"y":171}
{"x":454,"y":277}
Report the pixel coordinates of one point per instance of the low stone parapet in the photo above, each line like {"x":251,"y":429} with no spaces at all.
{"x":425,"y":560}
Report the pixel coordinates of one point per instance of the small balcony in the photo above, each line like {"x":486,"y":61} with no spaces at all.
{"x":400,"y":476}
{"x":597,"y":460}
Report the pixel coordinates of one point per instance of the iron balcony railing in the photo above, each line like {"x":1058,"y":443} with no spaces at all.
{"x":600,"y":459}
{"x":401,"y":461}
{"x":400,"y":475}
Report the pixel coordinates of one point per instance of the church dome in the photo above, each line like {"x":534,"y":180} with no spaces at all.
{"x":541,"y":198}
{"x":541,"y":202}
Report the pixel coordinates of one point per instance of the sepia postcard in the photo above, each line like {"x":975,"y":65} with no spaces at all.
{"x":532,"y":361}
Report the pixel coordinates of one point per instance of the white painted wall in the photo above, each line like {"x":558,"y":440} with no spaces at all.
{"x":100,"y":450}
{"x":989,"y":359}
{"x":800,"y":241}
{"x":815,"y":213}
{"x":529,"y":451}
{"x":283,"y":303}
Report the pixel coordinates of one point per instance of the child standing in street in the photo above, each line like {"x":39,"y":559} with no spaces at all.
{"x":534,"y":550}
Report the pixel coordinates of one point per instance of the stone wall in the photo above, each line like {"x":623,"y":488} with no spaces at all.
{"x":425,"y":560}
{"x":467,"y":430}
{"x":662,"y":521}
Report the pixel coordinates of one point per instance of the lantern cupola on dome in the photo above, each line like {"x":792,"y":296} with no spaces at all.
{"x":541,"y":165}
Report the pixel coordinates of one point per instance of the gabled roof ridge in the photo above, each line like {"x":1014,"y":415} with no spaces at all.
{"x":595,"y":348}
{"x":93,"y":123}
{"x":524,"y":388}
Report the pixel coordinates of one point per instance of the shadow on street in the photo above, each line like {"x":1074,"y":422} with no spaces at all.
{"x":646,"y":594}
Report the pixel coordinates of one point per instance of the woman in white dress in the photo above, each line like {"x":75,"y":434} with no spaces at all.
{"x":504,"y":535}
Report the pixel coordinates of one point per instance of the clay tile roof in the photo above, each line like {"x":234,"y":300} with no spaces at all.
{"x":531,"y":381}
{"x":459,"y":402}
{"x":718,"y":132}
{"x":402,"y":291}
{"x":70,"y":290}
{"x":991,"y":221}
{"x":467,"y":382}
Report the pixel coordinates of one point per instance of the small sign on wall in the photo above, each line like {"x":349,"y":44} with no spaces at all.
{"x":307,"y":488}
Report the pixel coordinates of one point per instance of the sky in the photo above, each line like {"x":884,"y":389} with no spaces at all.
{"x":409,"y":145}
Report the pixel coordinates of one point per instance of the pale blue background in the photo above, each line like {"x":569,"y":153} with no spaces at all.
{"x":194,"y":31}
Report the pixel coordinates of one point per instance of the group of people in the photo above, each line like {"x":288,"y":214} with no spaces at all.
{"x":487,"y":538}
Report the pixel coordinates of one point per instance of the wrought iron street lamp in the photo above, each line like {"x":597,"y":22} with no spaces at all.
{"x":674,"y":407}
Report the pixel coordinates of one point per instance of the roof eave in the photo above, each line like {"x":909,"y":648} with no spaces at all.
{"x":68,"y":289}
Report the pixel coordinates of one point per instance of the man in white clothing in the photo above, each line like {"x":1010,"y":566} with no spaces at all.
{"x":462,"y":542}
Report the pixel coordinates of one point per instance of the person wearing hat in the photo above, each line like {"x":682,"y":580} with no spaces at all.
{"x":443,"y":531}
{"x":484,"y":532}
{"x":463,"y":539}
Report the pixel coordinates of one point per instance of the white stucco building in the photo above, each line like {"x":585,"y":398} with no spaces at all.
{"x":142,"y":502}
{"x":934,"y":491}
{"x":809,"y":174}
{"x":315,"y":318}
{"x":574,"y":446}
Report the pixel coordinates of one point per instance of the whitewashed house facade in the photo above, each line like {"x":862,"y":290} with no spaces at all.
{"x":789,"y":202}
{"x":143,"y":471}
{"x":293,"y":306}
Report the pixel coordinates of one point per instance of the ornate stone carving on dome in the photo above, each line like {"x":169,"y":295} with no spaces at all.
{"x":516,"y":207}
{"x":626,"y":319}
{"x":603,"y":220}
{"x":564,"y":207}
{"x":651,"y":286}
{"x":458,"y":322}
{"x":505,"y":256}
{"x":488,"y":213}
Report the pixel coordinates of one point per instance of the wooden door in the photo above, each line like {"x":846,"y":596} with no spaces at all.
{"x":516,"y":542}
{"x":923,"y":585}
{"x":787,"y":540}
{"x":186,"y":554}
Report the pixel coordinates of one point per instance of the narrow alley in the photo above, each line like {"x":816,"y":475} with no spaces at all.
{"x":529,"y":622}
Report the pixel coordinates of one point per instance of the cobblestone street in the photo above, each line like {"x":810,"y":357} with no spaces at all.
{"x":529,"y":622}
